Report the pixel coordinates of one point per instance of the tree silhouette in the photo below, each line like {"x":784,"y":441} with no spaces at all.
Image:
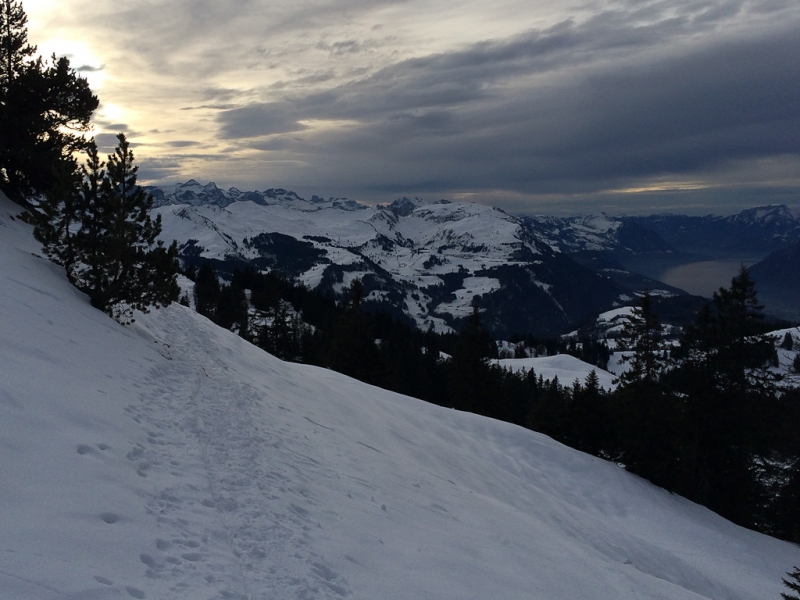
{"x":792,"y":585}
{"x":114,"y":255}
{"x":45,"y":107}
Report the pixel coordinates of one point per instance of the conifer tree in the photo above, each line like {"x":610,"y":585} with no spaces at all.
{"x":60,"y":214}
{"x":113,"y":254}
{"x":589,"y":420}
{"x":14,"y":47}
{"x":721,"y":371}
{"x":88,"y":271}
{"x":648,"y":415}
{"x":45,"y":108}
{"x":793,"y":585}
{"x":642,"y":334}
{"x":788,"y":341}
{"x":207,"y":291}
{"x":469,"y":370}
{"x":352,"y":348}
{"x":129,"y":231}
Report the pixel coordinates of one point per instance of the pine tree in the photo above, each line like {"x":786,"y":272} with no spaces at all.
{"x":128,"y":226}
{"x":88,"y":271}
{"x":207,"y":291}
{"x":352,"y":349}
{"x":113,"y":254}
{"x":788,"y":341}
{"x":642,"y":334}
{"x":792,"y":585}
{"x":647,"y":414}
{"x":468,"y":387}
{"x":14,"y":47}
{"x":721,"y":371}
{"x":45,"y":107}
{"x":60,"y":214}
{"x":588,"y":419}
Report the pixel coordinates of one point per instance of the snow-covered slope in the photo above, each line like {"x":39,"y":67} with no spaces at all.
{"x":564,"y":366}
{"x":597,"y":233}
{"x":171,"y":460}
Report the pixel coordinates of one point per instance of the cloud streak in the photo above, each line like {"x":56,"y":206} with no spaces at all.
{"x":562,"y":109}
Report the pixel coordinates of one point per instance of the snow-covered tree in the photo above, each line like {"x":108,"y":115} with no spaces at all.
{"x":642,"y":334}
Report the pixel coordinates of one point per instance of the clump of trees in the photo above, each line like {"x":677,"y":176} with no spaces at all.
{"x":92,"y":219}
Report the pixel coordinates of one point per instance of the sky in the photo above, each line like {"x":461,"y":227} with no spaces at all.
{"x":580,"y":106}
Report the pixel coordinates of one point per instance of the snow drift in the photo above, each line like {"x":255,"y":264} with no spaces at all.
{"x":170,"y":459}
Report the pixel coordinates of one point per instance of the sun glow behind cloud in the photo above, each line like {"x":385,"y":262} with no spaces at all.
{"x":81,"y":58}
{"x":667,"y":186}
{"x":510,"y":102}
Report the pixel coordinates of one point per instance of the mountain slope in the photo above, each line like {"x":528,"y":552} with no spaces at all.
{"x":756,"y":231}
{"x":778,"y":281}
{"x":170,"y":459}
{"x":427,"y":263}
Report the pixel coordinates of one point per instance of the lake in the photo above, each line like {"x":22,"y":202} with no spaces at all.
{"x":705,"y":277}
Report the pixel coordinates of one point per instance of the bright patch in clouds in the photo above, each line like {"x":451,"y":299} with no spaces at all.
{"x":81,"y":58}
{"x":532,"y":106}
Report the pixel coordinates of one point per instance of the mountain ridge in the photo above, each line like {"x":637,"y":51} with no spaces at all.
{"x":426,"y":262}
{"x":429,"y":262}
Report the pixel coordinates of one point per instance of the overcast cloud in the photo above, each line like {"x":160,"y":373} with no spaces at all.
{"x":679,"y":105}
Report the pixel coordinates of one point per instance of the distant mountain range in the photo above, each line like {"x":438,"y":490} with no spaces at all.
{"x":429,"y":263}
{"x":757,"y":231}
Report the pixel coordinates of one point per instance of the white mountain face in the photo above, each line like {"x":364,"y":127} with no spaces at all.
{"x":427,"y":261}
{"x":171,"y":460}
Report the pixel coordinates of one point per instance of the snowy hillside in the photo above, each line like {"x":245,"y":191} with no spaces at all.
{"x":597,"y":233}
{"x":567,"y":368}
{"x":426,"y":261}
{"x":171,"y":460}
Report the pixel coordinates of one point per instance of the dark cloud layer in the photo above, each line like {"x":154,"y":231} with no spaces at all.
{"x":526,"y":104}
{"x":580,"y":108}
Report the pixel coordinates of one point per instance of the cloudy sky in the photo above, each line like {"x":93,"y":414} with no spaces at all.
{"x":536,"y":106}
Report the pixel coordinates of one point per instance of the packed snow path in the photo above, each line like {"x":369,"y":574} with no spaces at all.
{"x":247,"y":478}
{"x":172,"y":460}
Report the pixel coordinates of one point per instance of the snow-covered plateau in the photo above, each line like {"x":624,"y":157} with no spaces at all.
{"x":169,"y":459}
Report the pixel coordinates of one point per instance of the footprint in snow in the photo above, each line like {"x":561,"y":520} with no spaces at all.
{"x":110,"y":518}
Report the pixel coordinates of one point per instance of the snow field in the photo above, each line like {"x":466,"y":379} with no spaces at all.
{"x":172,"y":460}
